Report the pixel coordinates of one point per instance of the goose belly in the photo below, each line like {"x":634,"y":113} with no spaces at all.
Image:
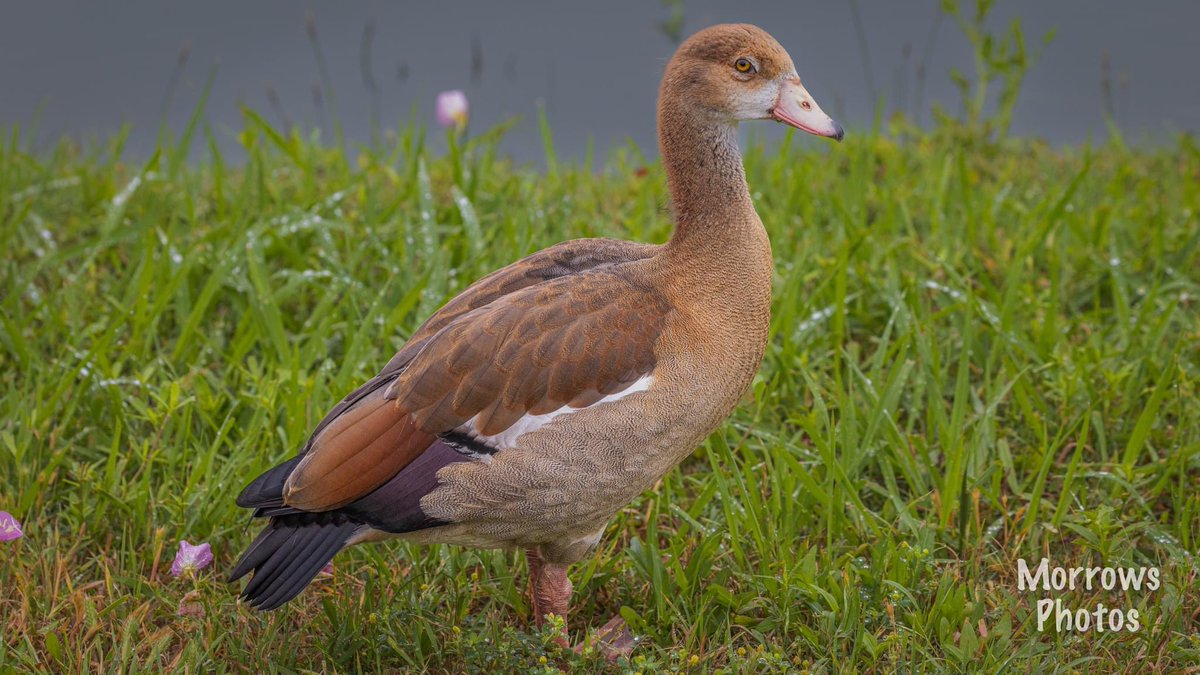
{"x":566,"y":475}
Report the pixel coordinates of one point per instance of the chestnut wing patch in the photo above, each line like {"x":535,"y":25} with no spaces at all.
{"x":367,"y":444}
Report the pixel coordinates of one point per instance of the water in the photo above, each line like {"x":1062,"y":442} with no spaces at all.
{"x":91,"y":67}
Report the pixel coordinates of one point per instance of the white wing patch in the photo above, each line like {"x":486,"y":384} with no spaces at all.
{"x":508,"y":438}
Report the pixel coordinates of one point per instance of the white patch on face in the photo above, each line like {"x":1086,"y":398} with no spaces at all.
{"x":755,"y":103}
{"x":508,"y":438}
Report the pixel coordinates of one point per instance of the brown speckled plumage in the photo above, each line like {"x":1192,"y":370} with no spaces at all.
{"x":552,"y":392}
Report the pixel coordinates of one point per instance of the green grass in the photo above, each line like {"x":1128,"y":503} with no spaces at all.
{"x":979,"y":352}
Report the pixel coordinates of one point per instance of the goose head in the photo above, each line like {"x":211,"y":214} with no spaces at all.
{"x":735,"y":72}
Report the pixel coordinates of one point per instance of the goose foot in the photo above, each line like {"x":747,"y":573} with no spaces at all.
{"x":614,"y":640}
{"x":550,"y":592}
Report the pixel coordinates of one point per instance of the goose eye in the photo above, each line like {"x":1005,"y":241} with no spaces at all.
{"x":744,"y":65}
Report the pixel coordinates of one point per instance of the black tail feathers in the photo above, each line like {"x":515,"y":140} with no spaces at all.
{"x":288,"y":553}
{"x":293,"y":547}
{"x":267,"y":490}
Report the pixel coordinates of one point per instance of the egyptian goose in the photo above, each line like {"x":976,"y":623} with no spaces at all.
{"x":531,"y":408}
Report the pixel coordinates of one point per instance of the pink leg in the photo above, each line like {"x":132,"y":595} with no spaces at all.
{"x":550,"y":591}
{"x":534,"y":560}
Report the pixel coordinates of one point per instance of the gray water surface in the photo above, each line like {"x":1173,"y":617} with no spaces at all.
{"x":91,"y":67}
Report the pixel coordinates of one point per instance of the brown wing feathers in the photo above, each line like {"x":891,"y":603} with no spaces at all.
{"x":567,"y":341}
{"x":364,"y":441}
{"x":560,"y":260}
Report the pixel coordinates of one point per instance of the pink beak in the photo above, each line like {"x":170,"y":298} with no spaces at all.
{"x":795,"y":107}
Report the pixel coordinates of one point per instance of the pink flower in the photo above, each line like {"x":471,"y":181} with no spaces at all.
{"x":452,"y":109}
{"x":10,"y":528}
{"x":191,"y":559}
